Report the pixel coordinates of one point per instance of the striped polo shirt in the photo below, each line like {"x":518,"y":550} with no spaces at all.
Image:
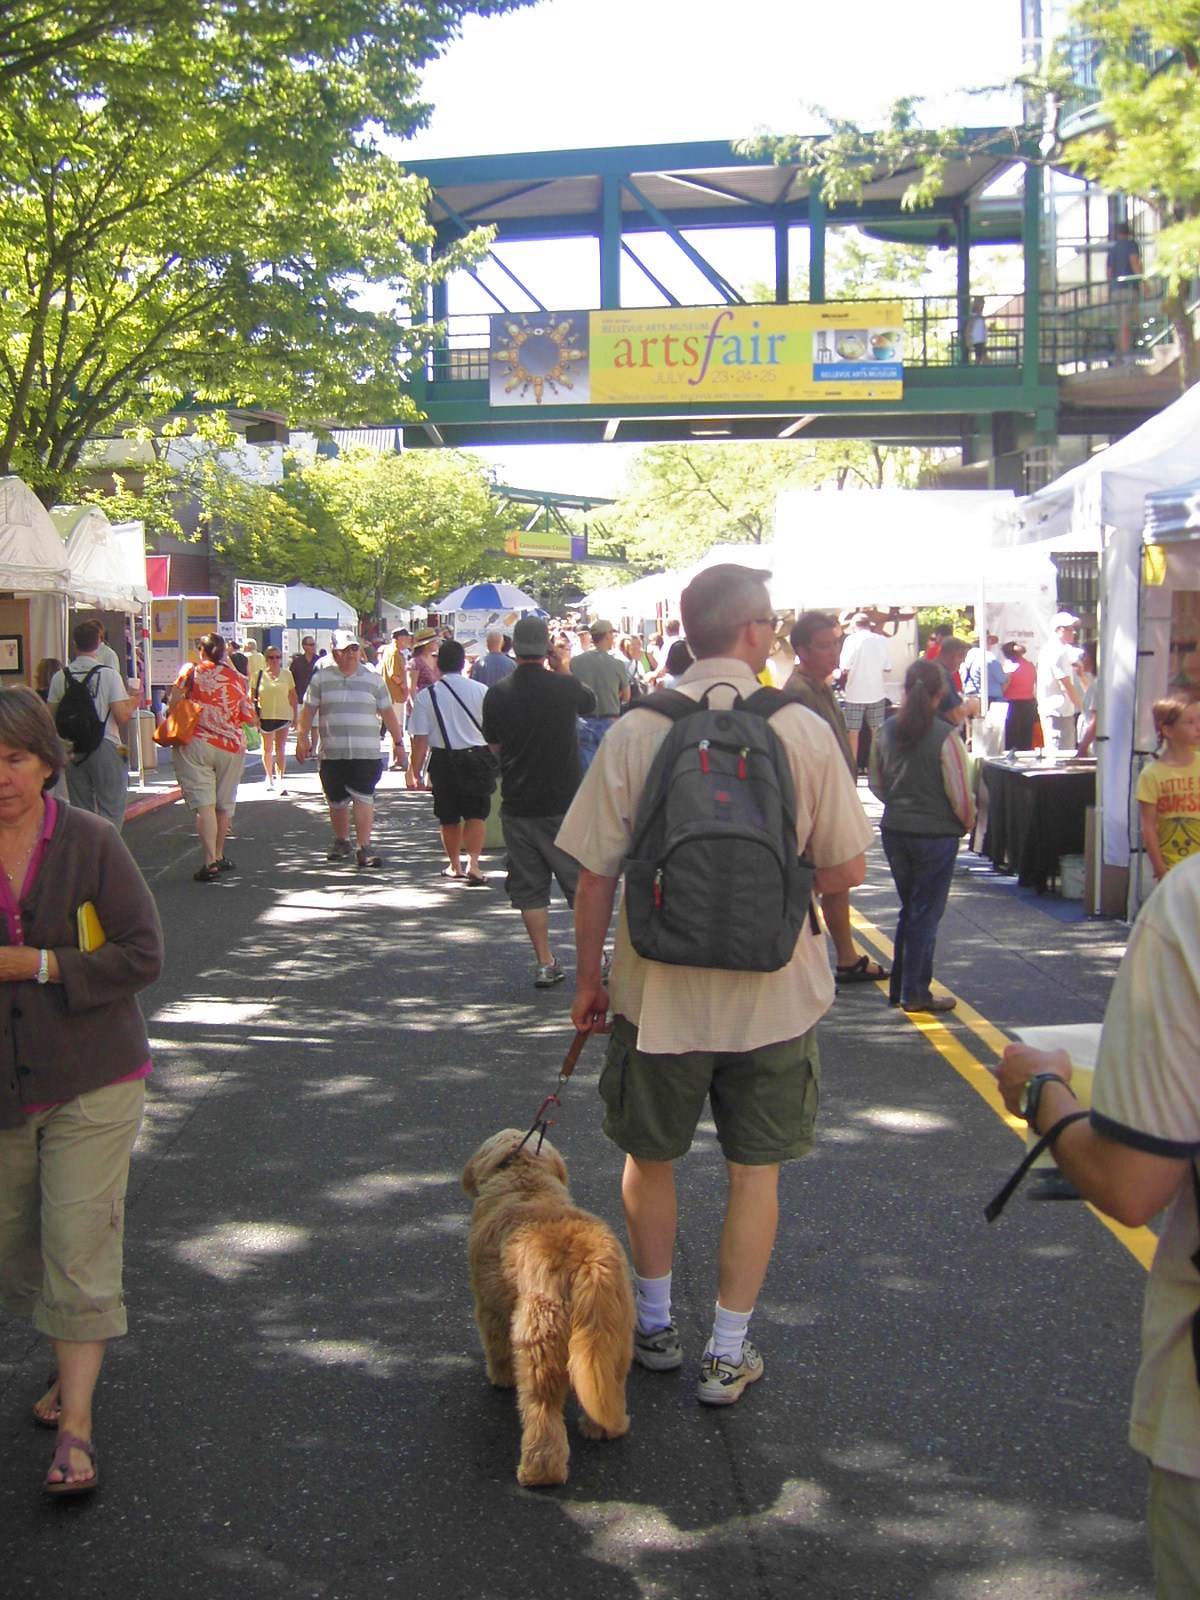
{"x":350,"y":709}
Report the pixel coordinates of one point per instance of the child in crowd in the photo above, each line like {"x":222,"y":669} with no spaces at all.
{"x":1168,"y":789}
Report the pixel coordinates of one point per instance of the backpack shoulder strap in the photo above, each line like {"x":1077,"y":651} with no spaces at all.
{"x":671,"y":703}
{"x":766,"y":701}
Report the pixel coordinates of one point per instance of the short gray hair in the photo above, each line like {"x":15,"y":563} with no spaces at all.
{"x":718,"y":603}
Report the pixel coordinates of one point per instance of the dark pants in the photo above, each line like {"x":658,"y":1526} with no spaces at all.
{"x":1019,"y":725}
{"x":922,"y":868}
{"x":591,"y":731}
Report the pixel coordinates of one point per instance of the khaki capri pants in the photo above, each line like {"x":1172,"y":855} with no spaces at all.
{"x":208,"y":775}
{"x":63,"y":1178}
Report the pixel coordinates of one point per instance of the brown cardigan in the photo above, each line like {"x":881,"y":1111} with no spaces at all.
{"x":58,"y":1040}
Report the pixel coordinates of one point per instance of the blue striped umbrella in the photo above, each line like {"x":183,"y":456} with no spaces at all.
{"x":488,"y":597}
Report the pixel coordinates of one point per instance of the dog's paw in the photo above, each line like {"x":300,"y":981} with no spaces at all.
{"x":541,"y":1471}
{"x":502,"y":1377}
{"x":591,"y":1429}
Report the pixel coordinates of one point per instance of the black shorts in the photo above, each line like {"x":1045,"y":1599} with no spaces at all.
{"x":273,"y":724}
{"x":344,"y":781}
{"x":452,"y":804}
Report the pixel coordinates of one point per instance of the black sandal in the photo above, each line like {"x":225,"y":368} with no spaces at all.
{"x":860,"y":972}
{"x":208,"y":874}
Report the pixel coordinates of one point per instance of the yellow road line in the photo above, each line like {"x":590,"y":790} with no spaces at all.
{"x":1140,"y":1242}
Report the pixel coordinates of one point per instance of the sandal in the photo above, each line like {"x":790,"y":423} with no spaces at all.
{"x":208,"y":874}
{"x":475,"y":880}
{"x":62,"y":1463}
{"x":223,"y":864}
{"x":47,"y":1419}
{"x":450,"y":872}
{"x":364,"y":858}
{"x":864,"y":970}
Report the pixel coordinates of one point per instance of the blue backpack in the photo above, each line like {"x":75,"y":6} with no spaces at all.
{"x":713,"y":877}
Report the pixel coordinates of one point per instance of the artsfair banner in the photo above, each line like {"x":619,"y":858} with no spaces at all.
{"x":699,"y":355}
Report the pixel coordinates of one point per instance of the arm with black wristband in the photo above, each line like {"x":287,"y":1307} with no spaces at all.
{"x":1132,"y":1186}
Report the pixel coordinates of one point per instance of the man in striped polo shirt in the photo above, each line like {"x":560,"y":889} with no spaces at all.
{"x":352,"y":701}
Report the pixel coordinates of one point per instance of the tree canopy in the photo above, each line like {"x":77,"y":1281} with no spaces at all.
{"x":196,"y":207}
{"x":684,"y":498}
{"x":1149,"y":79}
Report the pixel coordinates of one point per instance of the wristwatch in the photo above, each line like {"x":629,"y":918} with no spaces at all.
{"x":43,"y":971}
{"x":1031,"y":1095}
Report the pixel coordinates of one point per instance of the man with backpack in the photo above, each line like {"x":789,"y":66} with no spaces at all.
{"x":90,"y":703}
{"x":724,"y":822}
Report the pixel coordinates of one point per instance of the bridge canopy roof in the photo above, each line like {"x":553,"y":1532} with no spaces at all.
{"x":709,"y":183}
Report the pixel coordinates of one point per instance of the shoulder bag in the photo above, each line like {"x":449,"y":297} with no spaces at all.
{"x":475,"y":767}
{"x":178,"y":727}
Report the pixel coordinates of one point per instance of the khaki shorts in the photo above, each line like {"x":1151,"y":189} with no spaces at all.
{"x":208,"y":775}
{"x":62,"y":1213}
{"x":764,"y":1102}
{"x":1174,"y":1522}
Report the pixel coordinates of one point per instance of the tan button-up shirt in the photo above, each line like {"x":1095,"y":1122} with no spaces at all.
{"x":677,"y":1009}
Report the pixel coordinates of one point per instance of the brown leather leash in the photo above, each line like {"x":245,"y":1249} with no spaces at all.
{"x":541,"y":1122}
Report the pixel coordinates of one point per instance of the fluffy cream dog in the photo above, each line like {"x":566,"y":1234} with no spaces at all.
{"x":553,"y":1300}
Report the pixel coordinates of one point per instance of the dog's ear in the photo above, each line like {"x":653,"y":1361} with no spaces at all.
{"x":470,"y":1177}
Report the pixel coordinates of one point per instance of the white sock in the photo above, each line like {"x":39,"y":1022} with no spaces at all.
{"x":653,"y":1303}
{"x":729,"y":1332}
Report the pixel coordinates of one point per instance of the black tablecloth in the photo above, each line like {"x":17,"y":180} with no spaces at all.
{"x":1035,"y":815}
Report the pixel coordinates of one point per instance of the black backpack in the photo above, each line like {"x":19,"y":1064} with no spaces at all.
{"x":712,"y":878}
{"x":76,"y":717}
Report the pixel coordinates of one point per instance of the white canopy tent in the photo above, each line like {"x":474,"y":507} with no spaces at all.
{"x":1102,"y":505}
{"x":106,"y":565}
{"x":33,"y":567}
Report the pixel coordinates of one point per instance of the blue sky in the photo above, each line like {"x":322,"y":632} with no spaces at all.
{"x":568,"y":74}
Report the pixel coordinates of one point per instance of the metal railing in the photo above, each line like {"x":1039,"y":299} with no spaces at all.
{"x":1080,"y":328}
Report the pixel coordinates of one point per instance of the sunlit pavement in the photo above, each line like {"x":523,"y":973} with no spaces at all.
{"x":302,"y":1408}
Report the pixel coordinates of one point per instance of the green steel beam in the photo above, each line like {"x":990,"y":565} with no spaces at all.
{"x":1031,"y":245}
{"x":817,"y":217}
{"x":666,"y":225}
{"x":610,"y":244}
{"x":962,"y":232}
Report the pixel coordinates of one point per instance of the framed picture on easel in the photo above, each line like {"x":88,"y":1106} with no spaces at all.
{"x":11,"y":656}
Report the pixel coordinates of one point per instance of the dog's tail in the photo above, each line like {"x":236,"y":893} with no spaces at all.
{"x":600,"y":1347}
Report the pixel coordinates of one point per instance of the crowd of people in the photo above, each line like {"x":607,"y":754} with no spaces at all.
{"x":566,"y":724}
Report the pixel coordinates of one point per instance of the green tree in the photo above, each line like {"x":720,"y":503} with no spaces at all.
{"x":1152,"y":133}
{"x":1146,"y":146}
{"x":684,"y":498}
{"x":203,"y":211}
{"x":382,"y":526}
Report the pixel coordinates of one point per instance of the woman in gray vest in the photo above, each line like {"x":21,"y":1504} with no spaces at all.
{"x":919,"y":771}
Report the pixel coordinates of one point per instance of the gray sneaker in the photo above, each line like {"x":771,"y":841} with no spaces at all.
{"x":547,"y":977}
{"x":339,"y":850}
{"x":659,"y":1351}
{"x":722,"y":1380}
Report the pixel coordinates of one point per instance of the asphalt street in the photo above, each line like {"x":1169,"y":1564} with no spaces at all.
{"x":301,"y":1406}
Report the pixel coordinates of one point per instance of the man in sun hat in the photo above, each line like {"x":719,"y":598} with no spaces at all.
{"x":393,"y":665}
{"x":608,"y":680}
{"x":352,"y":701}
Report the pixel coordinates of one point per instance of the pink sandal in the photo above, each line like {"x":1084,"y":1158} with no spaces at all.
{"x":62,"y":1463}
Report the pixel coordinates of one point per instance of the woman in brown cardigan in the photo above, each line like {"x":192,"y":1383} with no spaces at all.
{"x":73,"y":1059}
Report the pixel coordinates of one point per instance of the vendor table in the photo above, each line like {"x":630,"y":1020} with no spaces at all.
{"x":1036,"y":814}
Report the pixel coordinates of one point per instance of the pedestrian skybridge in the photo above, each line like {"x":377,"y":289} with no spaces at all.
{"x":632,"y":362}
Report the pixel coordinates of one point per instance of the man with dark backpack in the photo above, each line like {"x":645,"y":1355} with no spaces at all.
{"x":724,"y":819}
{"x":90,"y":704}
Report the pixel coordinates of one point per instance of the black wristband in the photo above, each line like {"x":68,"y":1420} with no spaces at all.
{"x":996,"y":1205}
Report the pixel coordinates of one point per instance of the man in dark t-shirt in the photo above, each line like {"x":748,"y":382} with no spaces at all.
{"x":530,"y":720}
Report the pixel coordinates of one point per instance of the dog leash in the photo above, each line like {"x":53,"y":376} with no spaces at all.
{"x":541,"y":1122}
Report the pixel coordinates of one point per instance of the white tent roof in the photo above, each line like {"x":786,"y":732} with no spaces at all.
{"x":104,"y":564}
{"x":892,"y":547}
{"x":1110,"y":489}
{"x":32,"y":557}
{"x":305,"y":605}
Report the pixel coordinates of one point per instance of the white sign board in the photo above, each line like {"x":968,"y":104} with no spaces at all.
{"x":262,"y":605}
